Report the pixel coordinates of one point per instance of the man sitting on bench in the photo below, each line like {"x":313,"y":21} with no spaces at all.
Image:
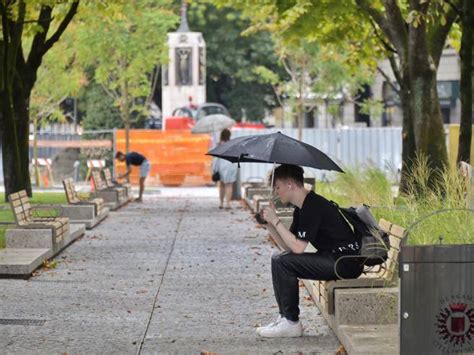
{"x":316,"y":221}
{"x":134,"y":158}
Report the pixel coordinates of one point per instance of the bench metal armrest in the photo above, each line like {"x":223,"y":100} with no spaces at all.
{"x":362,"y":259}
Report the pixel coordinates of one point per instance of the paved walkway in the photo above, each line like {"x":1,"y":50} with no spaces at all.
{"x":168,"y":275}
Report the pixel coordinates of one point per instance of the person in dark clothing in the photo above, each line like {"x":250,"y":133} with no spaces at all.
{"x":316,"y":221}
{"x":136,"y":159}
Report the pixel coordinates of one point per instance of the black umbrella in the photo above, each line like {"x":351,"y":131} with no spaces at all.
{"x":274,"y":148}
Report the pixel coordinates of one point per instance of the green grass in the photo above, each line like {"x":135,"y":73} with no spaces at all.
{"x":43,"y":197}
{"x":6,"y":214}
{"x":371,"y":187}
{"x":2,"y":236}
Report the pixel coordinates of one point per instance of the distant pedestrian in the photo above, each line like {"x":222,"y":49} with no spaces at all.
{"x":227,"y":174}
{"x":136,"y":159}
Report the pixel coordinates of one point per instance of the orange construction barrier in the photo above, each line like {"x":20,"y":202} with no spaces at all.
{"x":176,"y":157}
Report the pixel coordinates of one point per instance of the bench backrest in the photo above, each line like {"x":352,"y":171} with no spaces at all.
{"x":108,"y":177}
{"x":21,"y":207}
{"x":98,"y":182}
{"x":396,"y":235}
{"x":466,"y":170}
{"x":70,"y":190}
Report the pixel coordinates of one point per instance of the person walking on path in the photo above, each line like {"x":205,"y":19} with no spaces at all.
{"x":227,"y":174}
{"x":136,"y":159}
{"x":317,"y":221}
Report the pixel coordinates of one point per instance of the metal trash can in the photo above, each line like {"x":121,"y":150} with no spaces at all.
{"x":437,"y":299}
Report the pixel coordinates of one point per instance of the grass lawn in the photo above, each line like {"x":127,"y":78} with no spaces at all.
{"x":38,"y":198}
{"x":2,"y":236}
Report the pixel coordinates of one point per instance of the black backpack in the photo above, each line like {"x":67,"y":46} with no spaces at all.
{"x":375,"y":242}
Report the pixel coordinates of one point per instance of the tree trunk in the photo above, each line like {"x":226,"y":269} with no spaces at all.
{"x":18,"y":75}
{"x":21,"y":106}
{"x":15,"y":146}
{"x":301,"y":99}
{"x":125,"y":105}
{"x":428,"y":123}
{"x":466,"y":85}
{"x":425,"y":109}
{"x":300,"y":116}
{"x":125,"y":113}
{"x":10,"y":153}
{"x":127,"y":135}
{"x":408,"y":141}
{"x":408,"y":135}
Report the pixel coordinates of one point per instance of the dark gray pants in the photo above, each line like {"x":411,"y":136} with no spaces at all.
{"x":288,"y":267}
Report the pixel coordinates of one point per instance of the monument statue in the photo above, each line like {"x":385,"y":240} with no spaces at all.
{"x":184,"y":76}
{"x":202,"y":66}
{"x":183,"y":66}
{"x":165,"y":75}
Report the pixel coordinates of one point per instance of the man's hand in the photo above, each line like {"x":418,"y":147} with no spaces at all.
{"x":269,"y":215}
{"x":124,"y":175}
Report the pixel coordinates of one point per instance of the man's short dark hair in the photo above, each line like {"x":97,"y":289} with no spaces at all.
{"x":119,"y":154}
{"x":289,"y":171}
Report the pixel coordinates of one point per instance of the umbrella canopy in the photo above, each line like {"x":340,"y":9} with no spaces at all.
{"x":274,"y":148}
{"x":212,"y":124}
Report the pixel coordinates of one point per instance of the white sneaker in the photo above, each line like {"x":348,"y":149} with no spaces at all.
{"x":284,"y":329}
{"x":271,"y":325}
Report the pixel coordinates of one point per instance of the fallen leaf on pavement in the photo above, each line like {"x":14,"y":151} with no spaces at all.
{"x":341,"y":351}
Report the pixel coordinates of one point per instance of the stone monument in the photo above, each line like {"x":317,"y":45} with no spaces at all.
{"x":184,"y":77}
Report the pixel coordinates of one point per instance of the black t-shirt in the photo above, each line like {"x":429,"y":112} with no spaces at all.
{"x":134,"y":158}
{"x":320,"y":223}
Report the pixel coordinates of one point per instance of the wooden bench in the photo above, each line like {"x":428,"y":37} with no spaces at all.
{"x":73,"y":197}
{"x":101,"y":185}
{"x":114,"y":197}
{"x":246,"y":186}
{"x":260,"y":202}
{"x":260,"y":190}
{"x":24,"y":216}
{"x":379,"y":276}
{"x":111,"y":184}
{"x":466,"y":172}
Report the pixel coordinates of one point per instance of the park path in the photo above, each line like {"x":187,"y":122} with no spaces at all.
{"x":173,"y":274}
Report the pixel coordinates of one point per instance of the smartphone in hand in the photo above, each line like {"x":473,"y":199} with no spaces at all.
{"x":259,"y":219}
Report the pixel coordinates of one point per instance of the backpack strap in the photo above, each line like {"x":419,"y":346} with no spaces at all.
{"x":343,"y":216}
{"x":334,"y":203}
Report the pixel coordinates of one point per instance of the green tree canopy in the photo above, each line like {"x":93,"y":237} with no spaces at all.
{"x":412,"y":34}
{"x":98,"y":108}
{"x":29,"y":30}
{"x":124,"y":47}
{"x":231,"y":58}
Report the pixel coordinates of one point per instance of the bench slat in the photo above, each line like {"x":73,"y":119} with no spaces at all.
{"x":397,"y":231}
{"x":108,"y":177}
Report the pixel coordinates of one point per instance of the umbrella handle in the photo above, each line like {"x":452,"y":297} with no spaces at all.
{"x":240,"y":157}
{"x":273,"y":174}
